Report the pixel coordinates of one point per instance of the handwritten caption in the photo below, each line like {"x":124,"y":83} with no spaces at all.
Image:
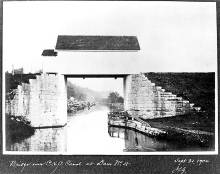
{"x":55,"y":165}
{"x":182,"y":165}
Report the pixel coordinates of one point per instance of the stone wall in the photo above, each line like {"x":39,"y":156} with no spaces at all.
{"x":42,"y":101}
{"x":146,"y":100}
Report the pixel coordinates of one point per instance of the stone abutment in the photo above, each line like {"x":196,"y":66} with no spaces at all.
{"x":43,"y":101}
{"x":146,"y":100}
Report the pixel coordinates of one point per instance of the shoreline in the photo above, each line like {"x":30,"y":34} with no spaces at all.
{"x":170,"y":133}
{"x":17,"y":130}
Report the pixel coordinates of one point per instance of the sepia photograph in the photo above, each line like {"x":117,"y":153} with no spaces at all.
{"x":109,"y":78}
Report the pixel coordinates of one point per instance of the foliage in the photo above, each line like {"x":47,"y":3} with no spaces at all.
{"x":12,"y":82}
{"x":74,"y":91}
{"x":114,"y":97}
{"x":198,"y":88}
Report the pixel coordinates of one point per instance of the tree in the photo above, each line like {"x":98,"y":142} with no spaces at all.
{"x":120,"y":100}
{"x":114,"y":97}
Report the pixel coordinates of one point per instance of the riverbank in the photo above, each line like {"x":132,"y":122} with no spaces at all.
{"x":74,"y":105}
{"x":198,"y":88}
{"x":185,"y":136}
{"x":192,"y":128}
{"x":193,"y":121}
{"x":137,"y":126}
{"x":17,"y":129}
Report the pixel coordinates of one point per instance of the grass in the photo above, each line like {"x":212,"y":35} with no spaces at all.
{"x":179,"y":128}
{"x":188,"y":139}
{"x":194,"y":121}
{"x":198,"y":88}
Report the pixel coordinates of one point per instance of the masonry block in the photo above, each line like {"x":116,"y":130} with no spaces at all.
{"x":145,"y":99}
{"x":43,"y":101}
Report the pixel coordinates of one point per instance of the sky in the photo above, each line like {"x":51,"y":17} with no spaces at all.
{"x":100,"y":84}
{"x":173,"y":36}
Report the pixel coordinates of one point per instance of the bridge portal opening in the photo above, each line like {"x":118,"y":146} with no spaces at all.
{"x":87,"y":91}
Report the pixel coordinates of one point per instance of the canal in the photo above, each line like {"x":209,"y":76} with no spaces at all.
{"x":87,"y":132}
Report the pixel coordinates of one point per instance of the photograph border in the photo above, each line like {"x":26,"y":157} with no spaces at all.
{"x":148,"y":157}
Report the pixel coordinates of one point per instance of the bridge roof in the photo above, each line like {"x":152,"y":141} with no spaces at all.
{"x":102,"y":43}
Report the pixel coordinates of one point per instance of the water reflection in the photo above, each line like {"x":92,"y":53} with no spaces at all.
{"x":87,"y":132}
{"x":135,"y":141}
{"x":48,"y":140}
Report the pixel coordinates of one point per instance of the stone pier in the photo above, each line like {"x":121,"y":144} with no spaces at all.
{"x":43,"y":101}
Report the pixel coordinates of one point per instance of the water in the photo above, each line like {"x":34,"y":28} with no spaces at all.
{"x":87,"y":132}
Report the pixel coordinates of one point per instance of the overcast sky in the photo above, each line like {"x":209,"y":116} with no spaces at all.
{"x":173,"y":36}
{"x":100,"y":84}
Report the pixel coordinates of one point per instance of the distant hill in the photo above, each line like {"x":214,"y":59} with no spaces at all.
{"x":81,"y":93}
